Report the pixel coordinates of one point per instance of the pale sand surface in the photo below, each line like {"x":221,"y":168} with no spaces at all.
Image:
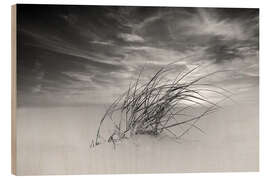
{"x":56,"y":141}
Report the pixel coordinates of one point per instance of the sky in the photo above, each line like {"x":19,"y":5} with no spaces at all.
{"x":81,"y":55}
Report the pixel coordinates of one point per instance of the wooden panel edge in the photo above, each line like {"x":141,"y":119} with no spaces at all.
{"x":13,"y":87}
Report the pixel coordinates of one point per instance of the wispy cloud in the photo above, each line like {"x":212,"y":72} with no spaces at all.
{"x":87,"y":53}
{"x":205,"y":23}
{"x":130,"y":37}
{"x":105,"y":43}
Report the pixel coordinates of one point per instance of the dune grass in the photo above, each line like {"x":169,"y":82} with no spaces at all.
{"x":160,"y":105}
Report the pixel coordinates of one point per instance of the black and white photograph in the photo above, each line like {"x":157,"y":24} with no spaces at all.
{"x":135,"y":89}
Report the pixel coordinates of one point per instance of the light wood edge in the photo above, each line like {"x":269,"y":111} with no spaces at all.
{"x":13,"y":87}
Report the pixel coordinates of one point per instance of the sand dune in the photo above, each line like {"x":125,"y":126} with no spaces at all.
{"x":56,"y":141}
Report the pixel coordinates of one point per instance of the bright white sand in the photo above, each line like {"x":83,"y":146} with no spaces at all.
{"x":56,"y":141}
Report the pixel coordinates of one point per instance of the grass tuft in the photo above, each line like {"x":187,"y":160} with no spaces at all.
{"x":161,"y":105}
